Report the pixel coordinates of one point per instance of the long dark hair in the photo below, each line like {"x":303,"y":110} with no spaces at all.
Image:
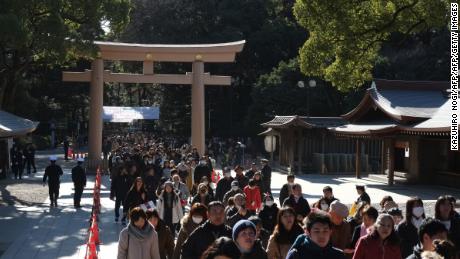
{"x":222,"y":246}
{"x":441,"y":200}
{"x":393,"y":238}
{"x":410,"y":204}
{"x":133,"y":186}
{"x":281,"y":234}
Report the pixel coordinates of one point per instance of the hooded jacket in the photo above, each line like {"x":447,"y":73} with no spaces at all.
{"x":370,"y":247}
{"x":305,"y":248}
{"x":177,"y":212}
{"x":135,"y":243}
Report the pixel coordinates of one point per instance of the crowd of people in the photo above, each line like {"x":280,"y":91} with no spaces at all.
{"x":175,"y":206}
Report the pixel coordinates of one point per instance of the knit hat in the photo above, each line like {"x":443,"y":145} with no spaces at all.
{"x":242,"y":225}
{"x":339,"y":208}
{"x":235,"y":183}
{"x":169,"y":183}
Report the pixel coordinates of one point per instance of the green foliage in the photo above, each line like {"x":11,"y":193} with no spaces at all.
{"x":35,"y":33}
{"x":346,"y":36}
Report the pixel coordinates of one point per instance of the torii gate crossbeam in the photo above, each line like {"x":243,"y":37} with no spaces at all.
{"x":148,"y":54}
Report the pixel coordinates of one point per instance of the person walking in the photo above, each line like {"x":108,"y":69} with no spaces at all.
{"x":165,"y":238}
{"x":224,"y":185}
{"x":118,"y":189}
{"x":198,"y":214}
{"x":169,"y":207}
{"x":206,"y":233}
{"x":382,"y":242}
{"x":244,"y":235}
{"x":16,"y":162}
{"x":66,"y":144}
{"x":286,"y":232}
{"x":135,"y":196}
{"x":266,"y":175}
{"x":52,"y":173}
{"x":29,"y":155}
{"x":139,"y":239}
{"x":79,"y":182}
{"x":298,"y":202}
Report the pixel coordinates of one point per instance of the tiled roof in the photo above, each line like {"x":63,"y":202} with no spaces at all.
{"x":12,"y":125}
{"x":304,"y":121}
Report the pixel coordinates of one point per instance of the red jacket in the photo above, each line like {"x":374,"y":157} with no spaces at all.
{"x":253,"y":200}
{"x":369,"y":247}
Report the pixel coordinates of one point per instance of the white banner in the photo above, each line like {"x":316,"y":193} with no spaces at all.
{"x":128,"y":114}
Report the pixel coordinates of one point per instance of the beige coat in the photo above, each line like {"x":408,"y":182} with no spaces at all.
{"x":275,"y":250}
{"x":130,"y":247}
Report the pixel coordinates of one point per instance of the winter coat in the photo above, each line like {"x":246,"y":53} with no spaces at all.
{"x":233,"y":219}
{"x":229,"y":194}
{"x":223,"y":186}
{"x":341,"y":235}
{"x":186,"y":229}
{"x":301,"y":207}
{"x":253,"y":201}
{"x":53,"y":172}
{"x":197,"y":199}
{"x":201,"y":238}
{"x":242,"y":181}
{"x":165,"y":240}
{"x":269,"y":215}
{"x":177,"y":212}
{"x":200,"y":171}
{"x":78,"y":176}
{"x":454,"y":233}
{"x":279,"y":244}
{"x":408,"y":236}
{"x":305,"y":248}
{"x":257,"y":252}
{"x":371,"y":247}
{"x":266,"y":177}
{"x":364,"y":197}
{"x":120,"y":186}
{"x":134,"y":198}
{"x":135,"y":243}
{"x":284,"y":193}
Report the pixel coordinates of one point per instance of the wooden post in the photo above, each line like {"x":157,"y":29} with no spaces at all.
{"x":300,"y":149}
{"x":95,"y":115}
{"x":198,"y":117}
{"x":323,"y":140}
{"x":358,"y":159}
{"x":383,"y":156}
{"x":391,"y":161}
{"x":291,"y":150}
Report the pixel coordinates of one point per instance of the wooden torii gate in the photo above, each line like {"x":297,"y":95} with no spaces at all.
{"x":197,"y":54}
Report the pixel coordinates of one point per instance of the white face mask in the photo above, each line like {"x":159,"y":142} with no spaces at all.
{"x":228,"y":175}
{"x":418,"y":211}
{"x":234,"y":188}
{"x":324,"y":206}
{"x":269,"y":203}
{"x":197,"y":219}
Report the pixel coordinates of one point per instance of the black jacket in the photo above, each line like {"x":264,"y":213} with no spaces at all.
{"x":257,"y":252}
{"x":268,"y":215}
{"x":242,"y":181}
{"x":232,"y":220}
{"x":151,"y":183}
{"x":408,"y":236}
{"x":364,"y":197}
{"x":120,"y":186}
{"x":305,"y":248}
{"x":53,"y":172}
{"x":223,"y":186}
{"x":301,"y":207}
{"x":200,"y":171}
{"x":284,"y":193}
{"x":201,"y":238}
{"x":134,"y":199}
{"x":78,"y":176}
{"x":197,"y":199}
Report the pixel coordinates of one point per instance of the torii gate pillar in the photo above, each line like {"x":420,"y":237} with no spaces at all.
{"x":198,"y":115}
{"x":96,"y":95}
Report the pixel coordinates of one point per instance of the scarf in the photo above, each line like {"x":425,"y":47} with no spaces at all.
{"x":140,"y":234}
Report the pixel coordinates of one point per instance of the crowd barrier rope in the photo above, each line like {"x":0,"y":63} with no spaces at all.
{"x":93,"y":232}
